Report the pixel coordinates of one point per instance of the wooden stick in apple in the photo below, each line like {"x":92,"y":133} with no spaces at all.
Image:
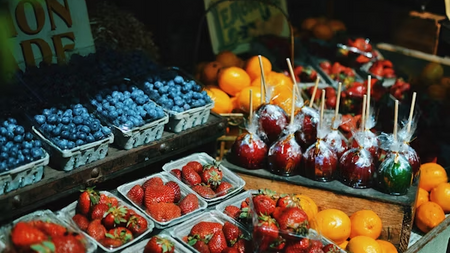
{"x":411,"y":112}
{"x":263,"y":81}
{"x":395,"y":127}
{"x":322,"y":108}
{"x":369,"y":88}
{"x":363,"y":113}
{"x":338,"y":101}
{"x":314,"y":92}
{"x":294,"y":89}
{"x":250,"y":99}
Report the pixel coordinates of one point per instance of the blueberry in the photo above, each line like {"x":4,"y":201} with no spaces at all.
{"x":65,"y":120}
{"x":196,"y":87}
{"x":90,"y":138}
{"x":5,"y":123}
{"x":2,"y":139}
{"x":12,"y":121}
{"x":99,"y":135}
{"x":141,"y":100}
{"x":128,"y":125}
{"x":78,"y":111}
{"x":36,"y":153}
{"x":126,"y":94}
{"x":98,"y":97}
{"x":46,"y":112}
{"x":94,"y":127}
{"x":79,"y":142}
{"x":19,"y":130}
{"x":11,"y":128}
{"x":26,"y":151}
{"x":148,"y":85}
{"x":164,"y":90}
{"x":78,"y":120}
{"x":158,"y":84}
{"x":4,"y":148}
{"x":3,"y":131}
{"x":18,"y":138}
{"x":113,"y":115}
{"x":119,"y":105}
{"x":186,"y":107}
{"x":70,"y":145}
{"x":65,"y":134}
{"x":52,"y":119}
{"x":170,"y":83}
{"x":85,"y":129}
{"x":106,"y":130}
{"x":177,"y":109}
{"x":56,"y":131}
{"x":4,"y":156}
{"x":86,"y":116}
{"x":77,"y":106}
{"x":11,"y":162}
{"x":37,"y":143}
{"x":178,"y":79}
{"x":81,"y":135}
{"x":29,"y":136}
{"x":62,"y":144}
{"x":142,"y":113}
{"x":21,"y":158}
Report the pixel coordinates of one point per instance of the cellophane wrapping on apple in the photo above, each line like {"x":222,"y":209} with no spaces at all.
{"x":334,"y":137}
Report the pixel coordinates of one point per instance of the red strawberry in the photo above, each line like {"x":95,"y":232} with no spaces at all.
{"x":204,"y":191}
{"x":293,"y":220}
{"x":288,"y":200}
{"x":212,"y":175}
{"x":81,"y":221}
{"x":278,"y":245}
{"x":232,"y":232}
{"x":164,"y":211}
{"x":137,"y":224}
{"x":49,"y":228}
{"x":154,"y":181}
{"x":121,"y":233}
{"x":157,"y":194}
{"x":110,"y":201}
{"x":330,"y":248}
{"x":176,"y":173}
{"x":111,"y":243}
{"x":201,"y":246}
{"x":223,"y":188}
{"x":244,"y":203}
{"x":315,"y":249}
{"x":190,"y":176}
{"x":204,"y":229}
{"x":158,"y":244}
{"x":232,"y":211}
{"x":99,"y":211}
{"x":24,"y":235}
{"x":67,"y":244}
{"x":242,"y":245}
{"x":217,"y":243}
{"x":266,"y":230}
{"x":114,"y":217}
{"x":96,"y":230}
{"x":230,"y":250}
{"x":198,"y":167}
{"x":263,"y":204}
{"x":189,"y":203}
{"x":176,"y":190}
{"x":316,"y":243}
{"x":297,"y":246}
{"x":136,"y":194}
{"x":87,"y":198}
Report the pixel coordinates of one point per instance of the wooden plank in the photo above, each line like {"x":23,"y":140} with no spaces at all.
{"x":58,"y":184}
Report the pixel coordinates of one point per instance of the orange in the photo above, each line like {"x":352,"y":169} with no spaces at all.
{"x":432,"y":73}
{"x":387,"y":247}
{"x":232,"y":80}
{"x":309,"y":23}
{"x":229,"y":59}
{"x":254,"y":70}
{"x":428,"y":215}
{"x":336,"y":25}
{"x":281,"y":95}
{"x":343,"y":245}
{"x":222,"y":102}
{"x":309,"y":206}
{"x":432,"y":174}
{"x":234,"y":102}
{"x":322,"y":31}
{"x":333,"y":224}
{"x":367,"y":223}
{"x":441,"y":196}
{"x":210,"y":72}
{"x":422,"y":197}
{"x":363,"y":244}
{"x":243,"y":99}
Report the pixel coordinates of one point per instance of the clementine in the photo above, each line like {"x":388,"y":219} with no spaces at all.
{"x":431,"y":174}
{"x":387,"y":247}
{"x":441,"y":196}
{"x":210,"y":72}
{"x":363,"y":244}
{"x":367,"y":223}
{"x":253,"y":67}
{"x":229,"y":59}
{"x":428,"y":215}
{"x":336,"y":25}
{"x":309,"y":23}
{"x":422,"y":197}
{"x":243,"y":99}
{"x":232,"y":80}
{"x":281,"y":95}
{"x":333,"y":224}
{"x":322,"y":31}
{"x":222,"y":102}
{"x":309,"y":206}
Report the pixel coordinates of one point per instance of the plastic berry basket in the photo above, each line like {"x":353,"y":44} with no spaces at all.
{"x":123,"y":189}
{"x":203,"y":158}
{"x":44,"y":215}
{"x":385,"y":82}
{"x":139,"y":247}
{"x":70,"y":159}
{"x":69,"y":211}
{"x":24,"y":175}
{"x":236,"y":201}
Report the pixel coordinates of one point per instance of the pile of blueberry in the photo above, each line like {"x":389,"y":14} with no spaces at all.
{"x":175,"y":93}
{"x":17,"y":147}
{"x":125,"y":107}
{"x":71,"y":127}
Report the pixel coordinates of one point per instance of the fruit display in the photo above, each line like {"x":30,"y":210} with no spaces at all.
{"x":107,"y":220}
{"x":42,"y":231}
{"x":338,"y":72}
{"x":165,"y":201}
{"x":17,"y":146}
{"x":205,"y":176}
{"x":70,"y":127}
{"x":126,"y":107}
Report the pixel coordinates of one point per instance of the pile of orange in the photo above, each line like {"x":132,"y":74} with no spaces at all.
{"x":433,"y":197}
{"x":229,"y":80}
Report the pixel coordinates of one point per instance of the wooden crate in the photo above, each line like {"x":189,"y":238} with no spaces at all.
{"x":396,"y":212}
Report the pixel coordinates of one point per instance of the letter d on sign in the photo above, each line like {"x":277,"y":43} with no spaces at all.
{"x":28,"y":54}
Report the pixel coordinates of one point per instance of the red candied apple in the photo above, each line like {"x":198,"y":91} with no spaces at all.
{"x":356,"y":168}
{"x":285,"y":156}
{"x":307,"y":133}
{"x":337,"y":143}
{"x":249,"y":151}
{"x":272,"y":120}
{"x":320,"y":162}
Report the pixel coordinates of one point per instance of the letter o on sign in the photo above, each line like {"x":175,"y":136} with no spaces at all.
{"x":21,"y":18}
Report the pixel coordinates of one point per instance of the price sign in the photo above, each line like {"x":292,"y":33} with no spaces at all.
{"x":233,"y":24}
{"x":47,"y":30}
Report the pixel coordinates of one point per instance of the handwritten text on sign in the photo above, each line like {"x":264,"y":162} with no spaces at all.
{"x":48,"y":30}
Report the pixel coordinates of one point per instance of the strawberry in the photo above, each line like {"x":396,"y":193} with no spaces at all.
{"x":24,"y":235}
{"x":330,"y":248}
{"x":190,"y":176}
{"x":114,"y":217}
{"x":200,"y":246}
{"x":99,"y":211}
{"x":49,"y":228}
{"x":264,"y":204}
{"x":325,"y":65}
{"x":158,"y":244}
{"x":157,"y":194}
{"x":61,"y":243}
{"x":154,"y":181}
{"x":278,"y":245}
{"x":288,"y":200}
{"x":188,"y":204}
{"x":266,"y":231}
{"x":297,"y":246}
{"x":242,"y":245}
{"x":223,"y":188}
{"x":293,"y":220}
{"x":136,"y":194}
{"x":121,"y":233}
{"x":111,"y":242}
{"x":244,"y":203}
{"x":164,"y":211}
{"x":232,"y":232}
{"x":137,"y":224}
{"x":110,"y":201}
{"x":176,"y":173}
{"x":218,"y":242}
{"x":204,"y":191}
{"x":204,"y":230}
{"x":198,"y":167}
{"x":81,"y":221}
{"x":232,"y":211}
{"x":96,"y":230}
{"x":230,"y":250}
{"x":176,"y":190}
{"x":316,"y":243}
{"x":87,"y":198}
{"x":315,"y":249}
{"x":212,"y":175}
